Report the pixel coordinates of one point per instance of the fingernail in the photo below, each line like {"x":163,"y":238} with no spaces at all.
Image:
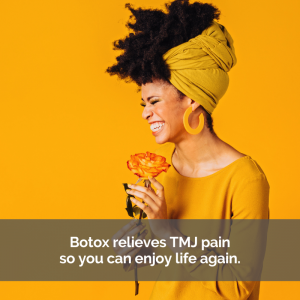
{"x":128,"y":191}
{"x":129,"y":185}
{"x":132,"y":199}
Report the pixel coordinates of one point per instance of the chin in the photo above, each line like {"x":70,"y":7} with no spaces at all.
{"x":168,"y":138}
{"x":162,"y":136}
{"x":161,"y":139}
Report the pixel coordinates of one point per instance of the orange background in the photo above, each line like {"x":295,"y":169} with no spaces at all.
{"x":68,"y":128}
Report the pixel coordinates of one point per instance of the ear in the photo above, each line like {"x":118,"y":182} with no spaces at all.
{"x":195,"y":105}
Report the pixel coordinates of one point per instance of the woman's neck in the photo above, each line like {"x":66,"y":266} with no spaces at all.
{"x":203,"y":154}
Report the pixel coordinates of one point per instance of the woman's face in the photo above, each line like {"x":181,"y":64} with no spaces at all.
{"x":163,"y":110}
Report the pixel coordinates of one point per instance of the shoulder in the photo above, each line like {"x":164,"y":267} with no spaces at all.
{"x":247,"y":169}
{"x":249,"y":178}
{"x":250,"y":191}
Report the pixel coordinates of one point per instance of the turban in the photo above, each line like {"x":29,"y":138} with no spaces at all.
{"x":199,"y":67}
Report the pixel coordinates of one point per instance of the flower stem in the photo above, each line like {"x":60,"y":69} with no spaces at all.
{"x":147,"y":184}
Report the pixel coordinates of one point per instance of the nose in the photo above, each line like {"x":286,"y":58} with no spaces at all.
{"x":147,"y":113}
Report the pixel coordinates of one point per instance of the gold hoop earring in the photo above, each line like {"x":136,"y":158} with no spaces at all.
{"x":187,"y":125}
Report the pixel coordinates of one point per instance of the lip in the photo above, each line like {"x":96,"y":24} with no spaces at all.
{"x":156,"y":121}
{"x":158,"y":131}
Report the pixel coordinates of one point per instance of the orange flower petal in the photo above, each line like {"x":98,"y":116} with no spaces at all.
{"x":147,"y":164}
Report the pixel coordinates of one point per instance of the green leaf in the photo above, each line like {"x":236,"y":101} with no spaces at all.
{"x":129,"y":207}
{"x":137,"y":210}
{"x":127,"y":188}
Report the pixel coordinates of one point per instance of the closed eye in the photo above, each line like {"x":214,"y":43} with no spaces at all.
{"x":154,"y":101}
{"x":151,"y":102}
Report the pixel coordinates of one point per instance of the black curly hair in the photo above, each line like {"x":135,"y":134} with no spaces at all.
{"x":154,"y":33}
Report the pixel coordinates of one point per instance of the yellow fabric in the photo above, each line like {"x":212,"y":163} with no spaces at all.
{"x":238,"y":191}
{"x":199,"y":67}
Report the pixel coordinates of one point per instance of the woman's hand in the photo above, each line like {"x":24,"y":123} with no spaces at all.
{"x":157,"y":207}
{"x":129,"y":230}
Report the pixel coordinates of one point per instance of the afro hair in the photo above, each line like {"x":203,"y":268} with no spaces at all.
{"x":154,"y":33}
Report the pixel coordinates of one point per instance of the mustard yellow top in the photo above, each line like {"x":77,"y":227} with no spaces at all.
{"x":238,"y":191}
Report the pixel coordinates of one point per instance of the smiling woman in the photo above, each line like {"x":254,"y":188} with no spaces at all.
{"x":180,"y":59}
{"x":163,"y":102}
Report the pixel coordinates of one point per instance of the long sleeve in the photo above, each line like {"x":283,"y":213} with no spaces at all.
{"x":250,"y":201}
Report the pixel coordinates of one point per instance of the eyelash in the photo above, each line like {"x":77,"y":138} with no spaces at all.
{"x":153,"y":102}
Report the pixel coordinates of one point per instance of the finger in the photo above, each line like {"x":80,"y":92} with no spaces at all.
{"x":127,"y":250}
{"x":151,"y":203}
{"x":159,"y":187}
{"x":133,"y":252}
{"x":118,"y":235}
{"x":134,"y":231}
{"x":147,"y":190}
{"x":142,"y":235}
{"x":142,"y":206}
{"x":129,"y":234}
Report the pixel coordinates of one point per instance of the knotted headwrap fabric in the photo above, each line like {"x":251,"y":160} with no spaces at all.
{"x":199,"y":67}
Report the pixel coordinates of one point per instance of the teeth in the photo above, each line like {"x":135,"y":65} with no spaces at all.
{"x":156,"y":126}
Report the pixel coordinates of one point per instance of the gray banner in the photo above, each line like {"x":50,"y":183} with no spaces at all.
{"x":103,"y":250}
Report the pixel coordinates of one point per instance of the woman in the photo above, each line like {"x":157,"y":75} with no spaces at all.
{"x":180,"y":60}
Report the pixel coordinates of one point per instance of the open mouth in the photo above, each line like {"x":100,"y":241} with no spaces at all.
{"x":157,"y":127}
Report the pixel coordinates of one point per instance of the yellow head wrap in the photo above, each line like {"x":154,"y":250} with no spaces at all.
{"x":199,"y":67}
